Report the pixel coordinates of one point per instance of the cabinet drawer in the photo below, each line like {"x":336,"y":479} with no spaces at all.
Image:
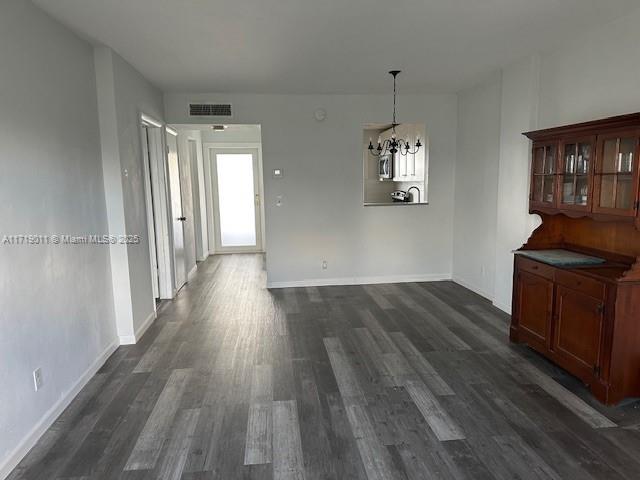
{"x":581,"y":283}
{"x":537,"y":268}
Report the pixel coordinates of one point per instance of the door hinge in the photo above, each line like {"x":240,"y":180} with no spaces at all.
{"x":600,"y":309}
{"x":637,"y":205}
{"x":596,"y":370}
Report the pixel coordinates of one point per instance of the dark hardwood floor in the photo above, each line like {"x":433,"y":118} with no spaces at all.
{"x":405,"y":381}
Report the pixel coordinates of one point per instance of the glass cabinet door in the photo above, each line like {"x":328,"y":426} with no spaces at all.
{"x":543,"y":175}
{"x":575,"y":174}
{"x":616,"y":176}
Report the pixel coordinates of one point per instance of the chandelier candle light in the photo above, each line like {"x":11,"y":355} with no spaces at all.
{"x":394,"y":144}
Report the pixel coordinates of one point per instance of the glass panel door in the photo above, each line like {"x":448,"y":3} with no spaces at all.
{"x":237,"y":201}
{"x":544,"y":175}
{"x":616,"y":175}
{"x":575,"y":174}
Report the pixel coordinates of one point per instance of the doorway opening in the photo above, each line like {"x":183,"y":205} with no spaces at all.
{"x":153,"y":153}
{"x":225,"y":188}
{"x":235,"y":189}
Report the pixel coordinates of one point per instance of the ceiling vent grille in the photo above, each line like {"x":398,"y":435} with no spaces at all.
{"x":210,"y":109}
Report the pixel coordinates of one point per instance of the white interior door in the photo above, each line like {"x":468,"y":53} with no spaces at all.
{"x":177,"y":217}
{"x":151,"y":227}
{"x":236,"y":198}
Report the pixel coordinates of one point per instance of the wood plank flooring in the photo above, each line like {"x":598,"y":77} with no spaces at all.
{"x":404,"y":381}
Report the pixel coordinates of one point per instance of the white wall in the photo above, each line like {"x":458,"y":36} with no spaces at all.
{"x":123,"y":94}
{"x":476,"y":186}
{"x":233,"y":134}
{"x":56,"y":305}
{"x":322,"y":217}
{"x":134,"y":94}
{"x":593,"y":76}
{"x":514,"y":225}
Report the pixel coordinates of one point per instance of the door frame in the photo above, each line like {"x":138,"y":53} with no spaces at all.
{"x":156,"y":199}
{"x":211,"y":187}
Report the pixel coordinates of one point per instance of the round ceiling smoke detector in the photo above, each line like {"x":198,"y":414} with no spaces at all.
{"x":320,"y":114}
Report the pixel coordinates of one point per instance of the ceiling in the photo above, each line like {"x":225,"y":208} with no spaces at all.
{"x":327,"y":46}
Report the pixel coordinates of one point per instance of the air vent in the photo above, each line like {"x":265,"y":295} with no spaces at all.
{"x":210,"y":109}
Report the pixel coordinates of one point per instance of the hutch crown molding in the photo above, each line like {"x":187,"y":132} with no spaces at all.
{"x":584,"y":317}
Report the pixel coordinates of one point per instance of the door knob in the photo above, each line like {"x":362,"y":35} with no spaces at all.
{"x":182,"y":219}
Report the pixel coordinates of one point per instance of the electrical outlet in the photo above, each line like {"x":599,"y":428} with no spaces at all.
{"x":37,"y":378}
{"x":325,"y":265}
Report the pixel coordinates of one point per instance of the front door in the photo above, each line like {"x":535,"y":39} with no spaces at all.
{"x":177,"y":218}
{"x":236,"y":200}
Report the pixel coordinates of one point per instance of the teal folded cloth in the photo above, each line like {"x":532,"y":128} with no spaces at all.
{"x":560,"y":257}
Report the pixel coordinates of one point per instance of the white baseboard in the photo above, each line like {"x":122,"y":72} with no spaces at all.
{"x":133,"y":339}
{"x":504,"y":307}
{"x":473,"y":288}
{"x":11,"y":461}
{"x":192,"y":273}
{"x":325,"y":282}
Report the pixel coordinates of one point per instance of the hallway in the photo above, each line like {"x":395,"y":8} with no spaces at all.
{"x":411,"y":381}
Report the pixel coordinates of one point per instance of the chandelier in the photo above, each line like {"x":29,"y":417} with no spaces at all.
{"x":394,"y":144}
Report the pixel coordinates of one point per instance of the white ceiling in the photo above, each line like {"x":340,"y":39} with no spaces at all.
{"x":327,"y":46}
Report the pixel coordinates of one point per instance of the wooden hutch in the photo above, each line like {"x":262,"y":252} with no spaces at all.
{"x":585,"y":318}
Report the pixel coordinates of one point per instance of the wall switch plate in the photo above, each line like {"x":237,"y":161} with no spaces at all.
{"x":325,"y":265}
{"x":279,"y":201}
{"x":37,"y":379}
{"x":278,"y":172}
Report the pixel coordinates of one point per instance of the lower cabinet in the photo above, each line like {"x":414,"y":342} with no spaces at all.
{"x":562,"y":315}
{"x":577,"y":337}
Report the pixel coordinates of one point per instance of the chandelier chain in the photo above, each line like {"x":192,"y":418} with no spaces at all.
{"x":394,"y":145}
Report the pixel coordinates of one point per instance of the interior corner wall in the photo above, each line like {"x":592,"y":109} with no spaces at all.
{"x":56,"y":303}
{"x":123,"y":94}
{"x":111,"y":171}
{"x":322,"y":216}
{"x":135,"y":95}
{"x":476,"y":186}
